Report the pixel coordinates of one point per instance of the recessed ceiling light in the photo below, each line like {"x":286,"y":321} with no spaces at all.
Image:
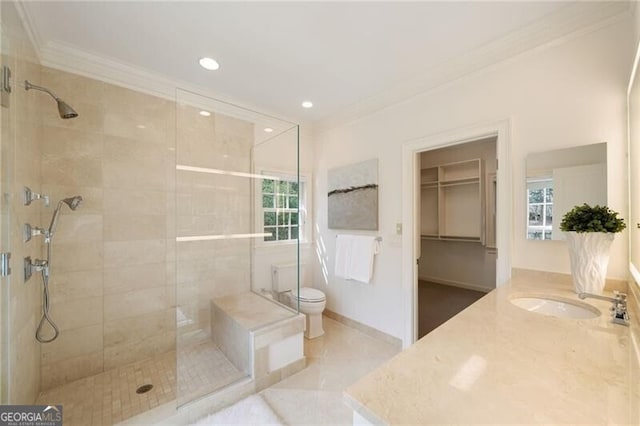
{"x":141,"y":126}
{"x":268,"y":129}
{"x":307,"y":104}
{"x":209,"y":64}
{"x":204,"y":113}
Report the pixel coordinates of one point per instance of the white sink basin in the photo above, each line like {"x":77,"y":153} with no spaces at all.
{"x":557,"y":307}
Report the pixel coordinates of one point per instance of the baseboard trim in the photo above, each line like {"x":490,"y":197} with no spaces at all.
{"x":365,"y":329}
{"x":460,"y":284}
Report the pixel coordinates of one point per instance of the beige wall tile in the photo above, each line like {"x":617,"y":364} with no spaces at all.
{"x":73,"y":343}
{"x":76,"y":256}
{"x":25,"y":302}
{"x":126,"y":253}
{"x":77,"y":313}
{"x":74,"y":226}
{"x":24,"y":359}
{"x":135,"y":277}
{"x":72,"y":171}
{"x":134,"y":227}
{"x":27,"y":153}
{"x":118,"y":355}
{"x":138,"y":116}
{"x":134,"y":202}
{"x":73,"y":86}
{"x":134,"y":329}
{"x":70,"y":369}
{"x":65,"y":286}
{"x":90,"y":119}
{"x":134,"y":303}
{"x":64,"y":143}
{"x":172,"y":296}
{"x":129,"y":164}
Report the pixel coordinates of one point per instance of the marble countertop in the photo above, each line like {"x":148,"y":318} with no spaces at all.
{"x":497,"y":363}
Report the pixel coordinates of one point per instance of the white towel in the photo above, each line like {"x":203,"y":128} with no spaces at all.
{"x":363,"y":250}
{"x":344,"y":251}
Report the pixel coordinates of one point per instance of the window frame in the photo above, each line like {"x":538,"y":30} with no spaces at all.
{"x":544,"y":183}
{"x":304,"y":206}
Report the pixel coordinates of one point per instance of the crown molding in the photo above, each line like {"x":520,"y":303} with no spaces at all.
{"x":571,"y":21}
{"x":65,"y":57}
{"x":574,"y":20}
{"x":22,"y":8}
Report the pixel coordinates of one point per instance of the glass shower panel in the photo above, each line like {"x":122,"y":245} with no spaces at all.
{"x":5,"y":188}
{"x":282,"y":200}
{"x":218,"y":197}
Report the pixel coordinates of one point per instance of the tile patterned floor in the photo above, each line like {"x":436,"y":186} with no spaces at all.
{"x":203,"y":368}
{"x":111,"y":397}
{"x":310,"y":397}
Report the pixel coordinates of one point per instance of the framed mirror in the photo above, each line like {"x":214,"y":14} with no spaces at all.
{"x":560,"y":179}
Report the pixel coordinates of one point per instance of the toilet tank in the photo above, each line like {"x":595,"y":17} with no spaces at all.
{"x":285,"y":276}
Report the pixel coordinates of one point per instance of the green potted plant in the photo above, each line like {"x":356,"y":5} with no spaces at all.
{"x":590,"y":232}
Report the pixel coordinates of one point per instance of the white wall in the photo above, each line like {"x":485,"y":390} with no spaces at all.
{"x":571,"y":93}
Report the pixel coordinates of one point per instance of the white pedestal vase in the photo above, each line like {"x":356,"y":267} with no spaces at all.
{"x":589,"y":254}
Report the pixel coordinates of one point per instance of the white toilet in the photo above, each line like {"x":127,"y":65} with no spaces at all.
{"x":284,"y":279}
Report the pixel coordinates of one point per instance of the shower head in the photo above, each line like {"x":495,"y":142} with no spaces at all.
{"x":72,"y":202}
{"x":64,"y":109}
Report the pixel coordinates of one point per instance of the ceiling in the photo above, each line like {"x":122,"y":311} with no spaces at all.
{"x":275,"y":55}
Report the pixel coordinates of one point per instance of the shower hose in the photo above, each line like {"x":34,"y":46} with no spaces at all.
{"x":45,"y":303}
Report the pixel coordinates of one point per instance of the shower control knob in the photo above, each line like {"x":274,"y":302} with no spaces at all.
{"x":29,"y":196}
{"x":31,"y":231}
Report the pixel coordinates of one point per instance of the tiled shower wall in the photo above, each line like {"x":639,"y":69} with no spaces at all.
{"x":112,"y":276}
{"x":21,"y":148}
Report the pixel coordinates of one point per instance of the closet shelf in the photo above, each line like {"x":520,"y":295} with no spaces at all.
{"x":451,"y":201}
{"x":460,"y":238}
{"x":429,"y":237}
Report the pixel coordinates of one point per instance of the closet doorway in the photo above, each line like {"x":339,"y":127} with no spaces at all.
{"x":457,"y":226}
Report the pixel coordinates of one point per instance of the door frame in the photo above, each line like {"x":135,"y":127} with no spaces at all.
{"x":410,"y":208}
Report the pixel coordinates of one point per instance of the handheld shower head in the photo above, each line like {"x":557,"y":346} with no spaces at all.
{"x":64,"y":109}
{"x":72,"y":202}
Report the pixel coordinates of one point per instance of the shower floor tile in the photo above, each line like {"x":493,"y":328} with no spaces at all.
{"x":110,"y":397}
{"x":202,"y":368}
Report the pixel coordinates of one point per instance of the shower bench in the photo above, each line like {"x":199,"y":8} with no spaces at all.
{"x":259,"y":336}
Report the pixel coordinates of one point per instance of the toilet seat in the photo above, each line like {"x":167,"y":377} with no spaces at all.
{"x":310,"y":295}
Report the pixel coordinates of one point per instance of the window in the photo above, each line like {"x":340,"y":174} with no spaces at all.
{"x":539,"y":209}
{"x":283,"y":208}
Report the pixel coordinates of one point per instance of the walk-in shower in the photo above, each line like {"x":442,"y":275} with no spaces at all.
{"x":64,"y":109}
{"x":182,"y":218}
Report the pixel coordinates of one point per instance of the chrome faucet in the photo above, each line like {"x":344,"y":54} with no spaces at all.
{"x":618,"y":309}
